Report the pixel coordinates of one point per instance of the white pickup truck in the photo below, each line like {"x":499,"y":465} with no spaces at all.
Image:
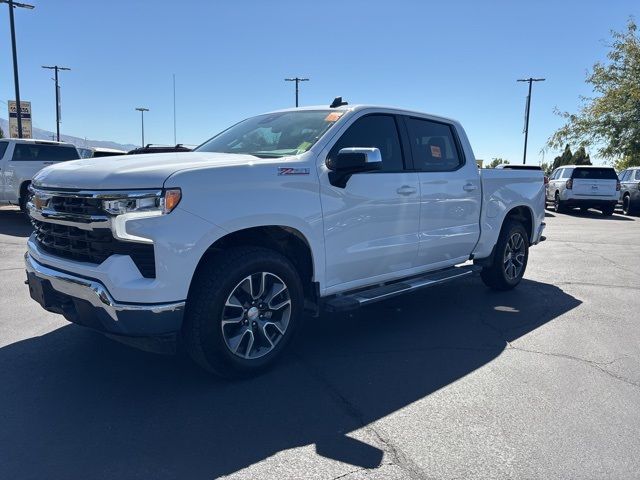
{"x":21,"y":159}
{"x":306,"y":209}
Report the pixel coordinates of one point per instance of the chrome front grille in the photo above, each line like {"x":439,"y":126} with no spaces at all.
{"x":74,"y":226}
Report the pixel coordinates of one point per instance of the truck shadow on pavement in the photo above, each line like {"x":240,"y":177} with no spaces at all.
{"x":14,"y":223}
{"x":77,"y":405}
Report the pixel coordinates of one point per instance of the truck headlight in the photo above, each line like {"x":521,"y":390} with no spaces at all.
{"x":160,"y":202}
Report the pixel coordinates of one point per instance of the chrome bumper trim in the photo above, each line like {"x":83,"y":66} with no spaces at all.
{"x":95,"y":293}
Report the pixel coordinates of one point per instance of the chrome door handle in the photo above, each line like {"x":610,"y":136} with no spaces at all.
{"x":469,"y":187}
{"x":406,"y":190}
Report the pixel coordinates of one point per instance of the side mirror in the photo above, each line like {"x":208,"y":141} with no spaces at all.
{"x":352,"y":160}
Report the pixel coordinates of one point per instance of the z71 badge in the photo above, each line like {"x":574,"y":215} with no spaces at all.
{"x":292,"y":171}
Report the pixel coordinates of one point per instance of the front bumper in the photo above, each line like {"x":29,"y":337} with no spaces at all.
{"x":87,"y":302}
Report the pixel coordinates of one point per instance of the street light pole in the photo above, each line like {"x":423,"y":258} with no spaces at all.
{"x":142,"y":110}
{"x":13,"y":5}
{"x":528,"y":109}
{"x":297,"y":80}
{"x":56,"y":68}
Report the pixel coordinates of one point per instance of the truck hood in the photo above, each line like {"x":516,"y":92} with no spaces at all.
{"x":131,"y":171}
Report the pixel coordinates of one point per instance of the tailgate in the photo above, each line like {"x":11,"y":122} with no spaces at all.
{"x":595,"y":187}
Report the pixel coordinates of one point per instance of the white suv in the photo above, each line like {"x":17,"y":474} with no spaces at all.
{"x":583,"y":186}
{"x":21,"y":159}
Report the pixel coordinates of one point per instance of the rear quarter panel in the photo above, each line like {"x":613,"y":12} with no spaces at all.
{"x":503,"y":190}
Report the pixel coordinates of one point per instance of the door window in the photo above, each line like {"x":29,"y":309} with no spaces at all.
{"x":374,"y":131}
{"x":3,"y":148}
{"x":433,"y":146}
{"x":637,"y":177}
{"x":566,"y":173}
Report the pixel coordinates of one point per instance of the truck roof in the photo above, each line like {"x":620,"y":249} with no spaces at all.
{"x":585,"y":166}
{"x":35,"y":140}
{"x":358,"y":107}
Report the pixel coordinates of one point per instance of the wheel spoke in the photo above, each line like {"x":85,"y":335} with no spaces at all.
{"x":235,"y":341}
{"x":280,"y":305}
{"x":519,"y":258}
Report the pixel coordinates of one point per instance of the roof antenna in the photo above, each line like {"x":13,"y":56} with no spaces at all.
{"x":337,"y":102}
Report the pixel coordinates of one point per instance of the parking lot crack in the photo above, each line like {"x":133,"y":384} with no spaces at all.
{"x":606,"y":259}
{"x":396,"y":455}
{"x":592,"y":363}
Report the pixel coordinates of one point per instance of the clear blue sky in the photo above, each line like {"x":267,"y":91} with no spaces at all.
{"x":458,"y":59}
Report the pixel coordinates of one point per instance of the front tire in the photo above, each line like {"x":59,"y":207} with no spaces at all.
{"x":243,"y":309}
{"x":509,"y":258}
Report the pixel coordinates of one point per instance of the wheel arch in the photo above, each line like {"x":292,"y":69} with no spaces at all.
{"x":523,"y":214}
{"x":288,"y":241}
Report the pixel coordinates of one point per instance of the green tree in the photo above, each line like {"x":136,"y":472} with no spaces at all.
{"x":565,"y":159}
{"x":581,"y":157}
{"x":497,"y":161}
{"x":609,"y":122}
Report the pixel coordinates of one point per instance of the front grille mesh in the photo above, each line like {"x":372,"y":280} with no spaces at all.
{"x":92,"y":246}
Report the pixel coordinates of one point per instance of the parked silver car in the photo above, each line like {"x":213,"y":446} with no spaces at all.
{"x":583,"y":186}
{"x":630,"y":190}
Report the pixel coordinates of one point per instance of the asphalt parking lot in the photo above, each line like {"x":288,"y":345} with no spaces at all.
{"x":452,"y":382}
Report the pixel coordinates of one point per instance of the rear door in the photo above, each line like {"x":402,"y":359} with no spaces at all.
{"x":450,"y":193}
{"x":595,"y":182}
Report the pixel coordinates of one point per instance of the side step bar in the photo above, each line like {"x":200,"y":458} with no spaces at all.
{"x":352,"y":301}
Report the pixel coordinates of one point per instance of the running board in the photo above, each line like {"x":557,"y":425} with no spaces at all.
{"x":352,"y":301}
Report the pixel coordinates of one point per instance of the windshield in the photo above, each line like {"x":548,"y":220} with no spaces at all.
{"x":274,"y":135}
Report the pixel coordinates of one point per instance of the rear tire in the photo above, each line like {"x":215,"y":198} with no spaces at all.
{"x":233,"y":324}
{"x":608,"y":211}
{"x":558,"y":205}
{"x":627,"y":208}
{"x":510,"y":258}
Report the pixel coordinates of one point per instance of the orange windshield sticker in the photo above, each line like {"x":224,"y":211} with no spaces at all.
{"x":435,"y":151}
{"x":333,"y":116}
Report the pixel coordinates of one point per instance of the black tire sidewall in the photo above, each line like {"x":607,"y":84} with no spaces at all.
{"x":214,"y":348}
{"x":511,"y":228}
{"x":626,"y":205}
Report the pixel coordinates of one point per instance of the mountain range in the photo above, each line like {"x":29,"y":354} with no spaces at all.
{"x":77,"y":141}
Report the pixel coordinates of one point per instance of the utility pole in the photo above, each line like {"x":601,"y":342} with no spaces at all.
{"x":297,"y":80}
{"x":526,"y":115}
{"x":142,"y":110}
{"x":13,"y":5}
{"x":56,"y":68}
{"x":175,"y":141}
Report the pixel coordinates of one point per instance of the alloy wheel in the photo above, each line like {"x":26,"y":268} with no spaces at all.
{"x":256,"y":315}
{"x":514,"y":256}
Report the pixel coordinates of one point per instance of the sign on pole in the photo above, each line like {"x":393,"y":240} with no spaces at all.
{"x":25,"y":116}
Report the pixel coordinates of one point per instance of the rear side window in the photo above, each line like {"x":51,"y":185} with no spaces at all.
{"x":637,"y":177}
{"x":566,"y":173}
{"x":374,"y":131}
{"x":43,"y":153}
{"x":433,"y":146}
{"x":3,"y":148}
{"x":595,"y":173}
{"x":624,"y":175}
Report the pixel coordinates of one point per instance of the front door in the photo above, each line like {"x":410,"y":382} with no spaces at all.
{"x":370,"y":225}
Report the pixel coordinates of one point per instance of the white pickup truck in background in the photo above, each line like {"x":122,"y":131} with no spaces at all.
{"x":21,"y":159}
{"x":303,"y":209}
